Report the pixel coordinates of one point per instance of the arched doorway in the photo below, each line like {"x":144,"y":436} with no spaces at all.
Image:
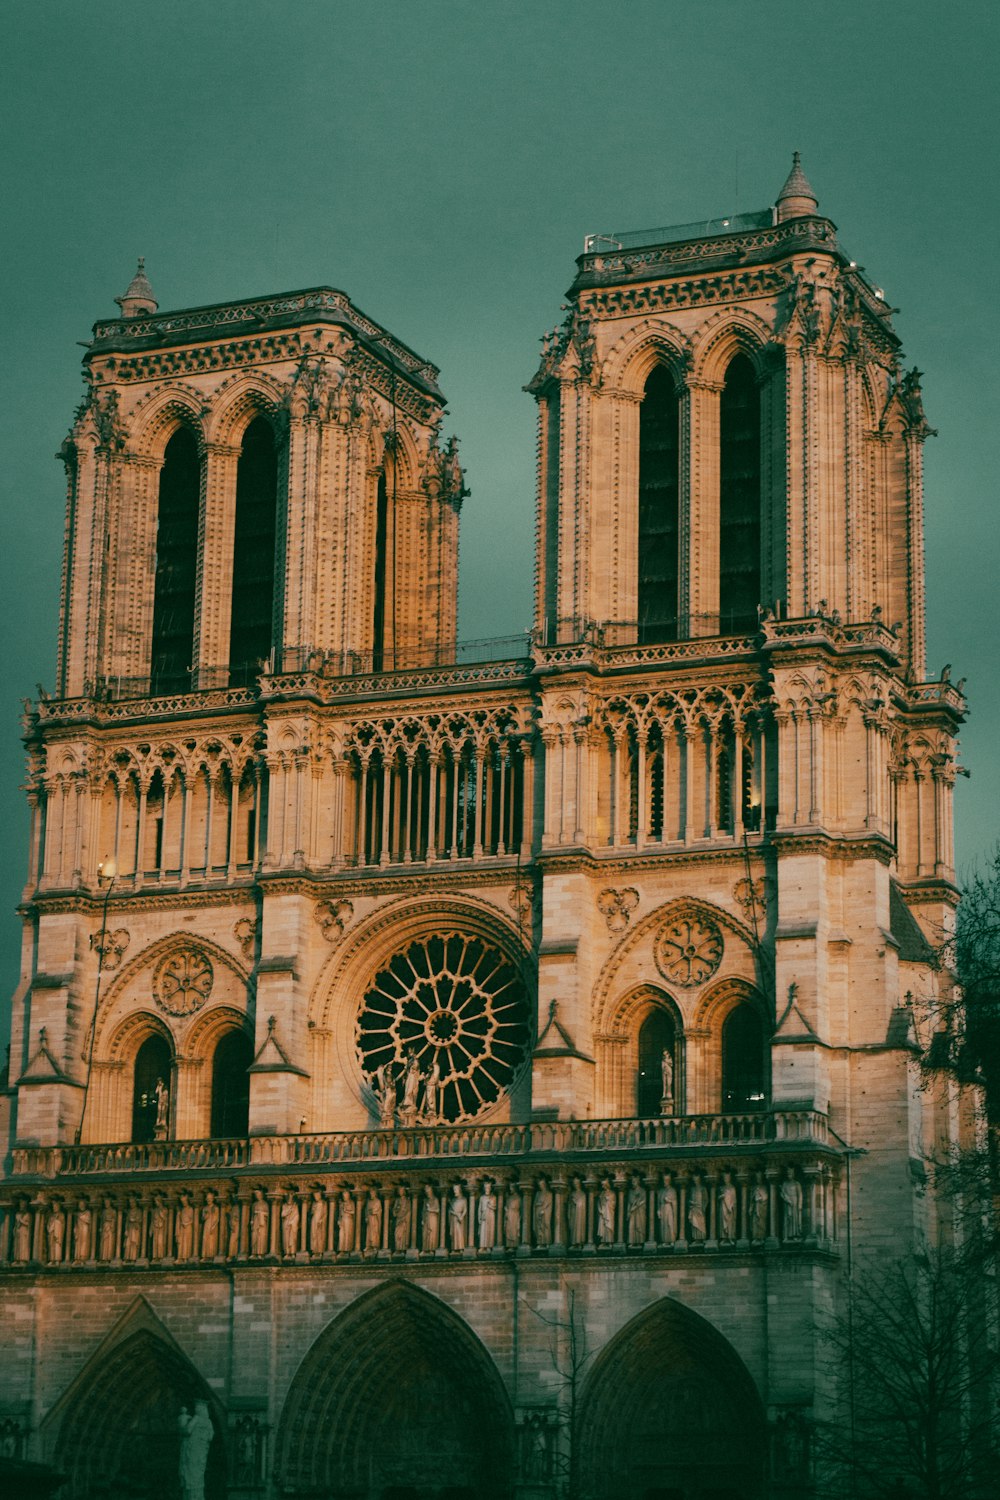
{"x":396,"y":1398}
{"x":669,"y":1410}
{"x":152,"y":1064}
{"x":120,"y":1431}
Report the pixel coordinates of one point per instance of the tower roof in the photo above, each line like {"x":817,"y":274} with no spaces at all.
{"x":796,"y":197}
{"x":139,"y":296}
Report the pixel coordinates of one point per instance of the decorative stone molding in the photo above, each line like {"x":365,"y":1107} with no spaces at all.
{"x":333,"y":917}
{"x":110,"y":946}
{"x":183,"y":981}
{"x":688,"y":950}
{"x":245,"y":932}
{"x":617,"y":906}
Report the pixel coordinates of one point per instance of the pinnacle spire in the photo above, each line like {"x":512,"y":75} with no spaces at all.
{"x":796,"y":197}
{"x":139,"y":296}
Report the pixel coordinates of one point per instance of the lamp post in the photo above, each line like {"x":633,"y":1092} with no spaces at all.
{"x":106,"y":872}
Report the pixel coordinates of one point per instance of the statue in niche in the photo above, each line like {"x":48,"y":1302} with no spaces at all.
{"x":430,"y":1223}
{"x":512,"y":1217}
{"x":109,"y":1231}
{"x":666,"y":1081}
{"x":55,"y":1232}
{"x":346,"y":1215}
{"x":159,"y":1229}
{"x":22,"y":1233}
{"x":635,"y":1211}
{"x":486,"y":1217}
{"x":210,"y":1225}
{"x":161,"y":1095}
{"x":727,"y":1209}
{"x":132,"y":1247}
{"x":196,"y":1439}
{"x":791,"y":1206}
{"x":541,"y":1214}
{"x":83,"y":1232}
{"x":458,"y":1213}
{"x":697,"y":1212}
{"x":412,"y":1079}
{"x":233,"y":1229}
{"x":260,"y":1223}
{"x":758,"y":1208}
{"x":606,"y":1214}
{"x":432,"y":1089}
{"x":318,"y":1216}
{"x":400,"y":1220}
{"x":184,"y":1230}
{"x":666,"y":1210}
{"x":373,"y":1221}
{"x":576,"y":1214}
{"x":290,"y":1220}
{"x":385,"y":1093}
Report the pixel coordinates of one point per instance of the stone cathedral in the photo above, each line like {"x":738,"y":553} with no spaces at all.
{"x":466,"y":1074}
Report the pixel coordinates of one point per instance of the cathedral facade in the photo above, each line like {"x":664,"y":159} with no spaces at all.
{"x":475,"y":1077}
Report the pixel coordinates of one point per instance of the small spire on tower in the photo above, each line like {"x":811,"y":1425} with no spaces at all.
{"x":139,"y":297}
{"x":796,"y":197}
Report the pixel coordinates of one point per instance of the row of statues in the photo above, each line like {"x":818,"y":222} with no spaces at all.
{"x":407,"y":1095}
{"x":288,"y":1223}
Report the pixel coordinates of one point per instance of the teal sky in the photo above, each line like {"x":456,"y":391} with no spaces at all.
{"x":441,"y":162}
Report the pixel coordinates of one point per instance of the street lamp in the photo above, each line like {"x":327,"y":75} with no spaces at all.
{"x":106,"y":873}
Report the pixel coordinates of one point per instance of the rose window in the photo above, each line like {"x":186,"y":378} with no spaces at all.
{"x":688,"y":951}
{"x":453,"y":1011}
{"x":183,"y":982}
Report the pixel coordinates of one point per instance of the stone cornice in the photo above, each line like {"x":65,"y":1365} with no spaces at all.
{"x":621,"y":862}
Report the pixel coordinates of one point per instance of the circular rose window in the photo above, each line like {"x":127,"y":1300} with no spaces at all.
{"x":688,"y":951}
{"x":443,"y":1030}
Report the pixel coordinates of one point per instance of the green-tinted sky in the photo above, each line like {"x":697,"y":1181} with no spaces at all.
{"x":441,"y":162}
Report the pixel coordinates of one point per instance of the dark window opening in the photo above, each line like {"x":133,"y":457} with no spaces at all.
{"x":172,"y":653}
{"x":251,"y":625}
{"x":152,"y":1066}
{"x":739,"y":499}
{"x":743,"y":1062}
{"x":378,"y":610}
{"x":231,"y":1086}
{"x":656,"y":1036}
{"x":659,"y":460}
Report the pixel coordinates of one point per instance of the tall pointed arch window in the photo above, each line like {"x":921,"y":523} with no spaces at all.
{"x":744,"y":1062}
{"x":231,"y":1085}
{"x":379,"y":579}
{"x":152,"y":1067}
{"x":739,"y":499}
{"x":172,"y":653}
{"x":251,"y":633}
{"x":656,"y":1037}
{"x":659,"y":492}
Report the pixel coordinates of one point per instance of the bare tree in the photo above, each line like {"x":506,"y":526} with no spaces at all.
{"x":570,"y":1357}
{"x":916,"y":1363}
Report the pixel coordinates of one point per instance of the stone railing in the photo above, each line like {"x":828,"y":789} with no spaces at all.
{"x":342,"y":1148}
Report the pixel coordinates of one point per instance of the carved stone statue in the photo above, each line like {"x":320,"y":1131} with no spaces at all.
{"x":400,"y":1220}
{"x":159,"y":1227}
{"x":576,"y":1214}
{"x":210,"y":1225}
{"x":666,"y":1210}
{"x":55,"y":1232}
{"x":196,"y":1439}
{"x":458,"y":1213}
{"x":486,"y":1217}
{"x":233,"y":1229}
{"x":727,"y":1209}
{"x":373,"y":1221}
{"x":430,"y":1220}
{"x":346,"y":1216}
{"x":411,"y":1091}
{"x":606,"y":1214}
{"x":512,"y":1209}
{"x":291,"y":1218}
{"x":109,"y":1231}
{"x":541,"y":1214}
{"x":184,"y":1230}
{"x":635,"y":1211}
{"x":318,"y":1215}
{"x":666,"y":1079}
{"x":697,"y":1212}
{"x":385,"y":1092}
{"x":132,"y":1247}
{"x":83,"y":1233}
{"x":432,"y":1088}
{"x":758,"y":1208}
{"x":260,"y":1223}
{"x":791,"y":1206}
{"x":22,"y":1233}
{"x":162,"y":1096}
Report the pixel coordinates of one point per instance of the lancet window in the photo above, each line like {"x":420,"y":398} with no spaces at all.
{"x":379,"y":580}
{"x":744,"y":1065}
{"x":172,"y":651}
{"x":152,"y":1066}
{"x":659,"y":491}
{"x":251,"y":617}
{"x":656,"y":1037}
{"x":231,"y":1085}
{"x":739,"y":499}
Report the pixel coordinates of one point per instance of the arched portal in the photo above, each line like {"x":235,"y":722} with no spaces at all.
{"x":397,"y":1396}
{"x":120,"y":1431}
{"x":669,"y":1409}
